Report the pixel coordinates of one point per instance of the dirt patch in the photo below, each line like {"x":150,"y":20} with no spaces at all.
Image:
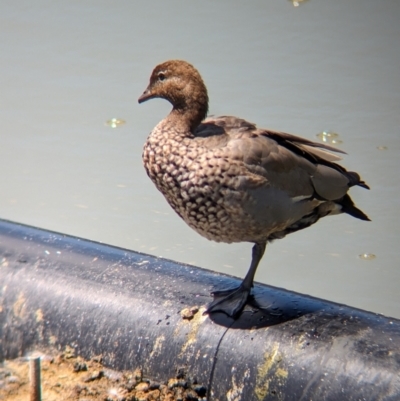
{"x":69,"y":377}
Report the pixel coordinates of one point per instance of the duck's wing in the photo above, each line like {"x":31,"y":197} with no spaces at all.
{"x":294,"y":164}
{"x":319,"y":154}
{"x":235,"y":127}
{"x":319,"y":150}
{"x":218,"y":130}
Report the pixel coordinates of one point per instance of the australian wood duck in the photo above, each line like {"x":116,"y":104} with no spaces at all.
{"x":233,"y":182}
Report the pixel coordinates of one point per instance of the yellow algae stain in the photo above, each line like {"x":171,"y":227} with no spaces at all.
{"x":53,"y":340}
{"x":194,"y":323}
{"x":157,"y":345}
{"x":19,"y":307}
{"x":167,"y":303}
{"x":282,"y":373}
{"x":268,"y":371}
{"x":301,"y":343}
{"x":235,"y":393}
{"x":39,"y":315}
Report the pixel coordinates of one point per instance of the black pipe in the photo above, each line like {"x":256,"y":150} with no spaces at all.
{"x":58,"y":290}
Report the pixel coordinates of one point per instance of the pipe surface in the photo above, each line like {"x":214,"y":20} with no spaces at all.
{"x":59,"y":290}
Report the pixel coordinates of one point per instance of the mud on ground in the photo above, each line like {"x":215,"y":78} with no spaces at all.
{"x":68,"y":377}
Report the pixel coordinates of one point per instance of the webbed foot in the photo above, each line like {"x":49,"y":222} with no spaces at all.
{"x":231,"y":302}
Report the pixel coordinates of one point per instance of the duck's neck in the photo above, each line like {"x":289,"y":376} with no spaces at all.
{"x":187,"y":120}
{"x":189,"y":112}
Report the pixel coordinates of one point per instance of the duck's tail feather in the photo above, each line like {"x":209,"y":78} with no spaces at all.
{"x":350,"y":208}
{"x":355,"y":179}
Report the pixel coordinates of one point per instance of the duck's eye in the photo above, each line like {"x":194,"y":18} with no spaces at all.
{"x":161,"y":76}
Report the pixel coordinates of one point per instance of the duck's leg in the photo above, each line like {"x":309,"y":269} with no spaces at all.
{"x":232,"y":301}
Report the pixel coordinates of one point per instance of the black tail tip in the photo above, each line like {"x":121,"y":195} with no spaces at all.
{"x":350,"y":208}
{"x":363,"y":185}
{"x":357,"y":213}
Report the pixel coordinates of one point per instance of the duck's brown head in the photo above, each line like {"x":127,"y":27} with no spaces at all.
{"x":181,"y":84}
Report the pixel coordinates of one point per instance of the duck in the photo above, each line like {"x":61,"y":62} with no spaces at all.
{"x":232,"y":182}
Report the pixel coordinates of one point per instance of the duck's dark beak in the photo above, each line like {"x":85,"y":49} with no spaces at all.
{"x":146,"y":95}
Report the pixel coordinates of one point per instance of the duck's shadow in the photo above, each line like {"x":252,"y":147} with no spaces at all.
{"x":269,"y":306}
